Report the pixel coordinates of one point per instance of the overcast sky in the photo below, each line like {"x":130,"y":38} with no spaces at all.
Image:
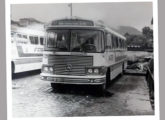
{"x":135,"y":14}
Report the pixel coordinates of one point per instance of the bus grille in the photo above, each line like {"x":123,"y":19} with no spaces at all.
{"x":70,"y":65}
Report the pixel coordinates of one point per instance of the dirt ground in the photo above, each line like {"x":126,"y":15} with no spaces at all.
{"x":32,"y":97}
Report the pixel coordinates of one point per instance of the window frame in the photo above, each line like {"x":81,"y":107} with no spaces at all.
{"x":70,"y":29}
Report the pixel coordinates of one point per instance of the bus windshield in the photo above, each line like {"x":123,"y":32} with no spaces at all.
{"x":75,"y":40}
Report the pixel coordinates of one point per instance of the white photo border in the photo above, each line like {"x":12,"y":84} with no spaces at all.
{"x":156,"y":116}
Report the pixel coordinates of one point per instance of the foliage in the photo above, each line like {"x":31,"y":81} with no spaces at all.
{"x":147,"y":32}
{"x":145,"y":40}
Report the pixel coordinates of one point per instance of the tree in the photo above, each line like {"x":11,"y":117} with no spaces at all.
{"x":147,"y":32}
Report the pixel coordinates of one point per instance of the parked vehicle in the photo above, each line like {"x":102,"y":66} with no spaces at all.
{"x":27,"y":48}
{"x":79,"y":51}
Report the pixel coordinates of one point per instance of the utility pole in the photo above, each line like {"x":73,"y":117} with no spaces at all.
{"x":70,"y":5}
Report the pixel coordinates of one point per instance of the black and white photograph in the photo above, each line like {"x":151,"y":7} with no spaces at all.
{"x":82,"y":59}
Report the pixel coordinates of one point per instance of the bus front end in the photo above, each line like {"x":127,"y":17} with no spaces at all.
{"x":72,"y":69}
{"x":74,"y":55}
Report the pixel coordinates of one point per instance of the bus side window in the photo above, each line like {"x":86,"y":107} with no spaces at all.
{"x":116,"y":41}
{"x":41,"y":41}
{"x":113,"y":43}
{"x":102,"y":42}
{"x":33,"y":40}
{"x":36,"y":40}
{"x":19,"y":35}
{"x":109,"y":41}
{"x":24,"y":36}
{"x":120,"y":43}
{"x":123,"y":43}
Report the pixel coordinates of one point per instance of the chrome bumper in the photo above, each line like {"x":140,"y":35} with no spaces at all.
{"x":68,"y":79}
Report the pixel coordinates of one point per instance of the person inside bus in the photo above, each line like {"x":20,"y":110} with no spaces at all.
{"x":85,"y":45}
{"x":88,"y":45}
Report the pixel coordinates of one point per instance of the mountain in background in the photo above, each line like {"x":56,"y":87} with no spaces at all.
{"x":26,"y":22}
{"x":127,"y":29}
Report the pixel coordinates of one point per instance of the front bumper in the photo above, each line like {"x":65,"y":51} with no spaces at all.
{"x":68,"y":79}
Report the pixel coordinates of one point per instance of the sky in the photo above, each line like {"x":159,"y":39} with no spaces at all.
{"x":135,"y":14}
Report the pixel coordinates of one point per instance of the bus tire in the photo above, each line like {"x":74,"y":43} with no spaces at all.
{"x":12,"y":69}
{"x":102,"y":89}
{"x":54,"y":86}
{"x":122,"y":69}
{"x":108,"y":78}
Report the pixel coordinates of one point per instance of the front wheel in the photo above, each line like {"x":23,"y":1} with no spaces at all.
{"x":102,"y":89}
{"x":54,"y":86}
{"x":12,"y":69}
{"x":108,"y":78}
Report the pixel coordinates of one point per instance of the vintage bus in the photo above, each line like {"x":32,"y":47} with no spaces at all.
{"x":26,"y":49}
{"x":79,"y":51}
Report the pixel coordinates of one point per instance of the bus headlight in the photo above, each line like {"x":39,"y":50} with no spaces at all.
{"x":96,"y":71}
{"x":90,"y":71}
{"x":45,"y":69}
{"x":93,"y":70}
{"x":51,"y":69}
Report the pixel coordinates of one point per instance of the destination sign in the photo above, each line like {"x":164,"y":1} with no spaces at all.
{"x":73,"y":22}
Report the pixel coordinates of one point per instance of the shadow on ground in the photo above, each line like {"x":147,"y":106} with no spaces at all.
{"x":85,"y":90}
{"x":25,"y":74}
